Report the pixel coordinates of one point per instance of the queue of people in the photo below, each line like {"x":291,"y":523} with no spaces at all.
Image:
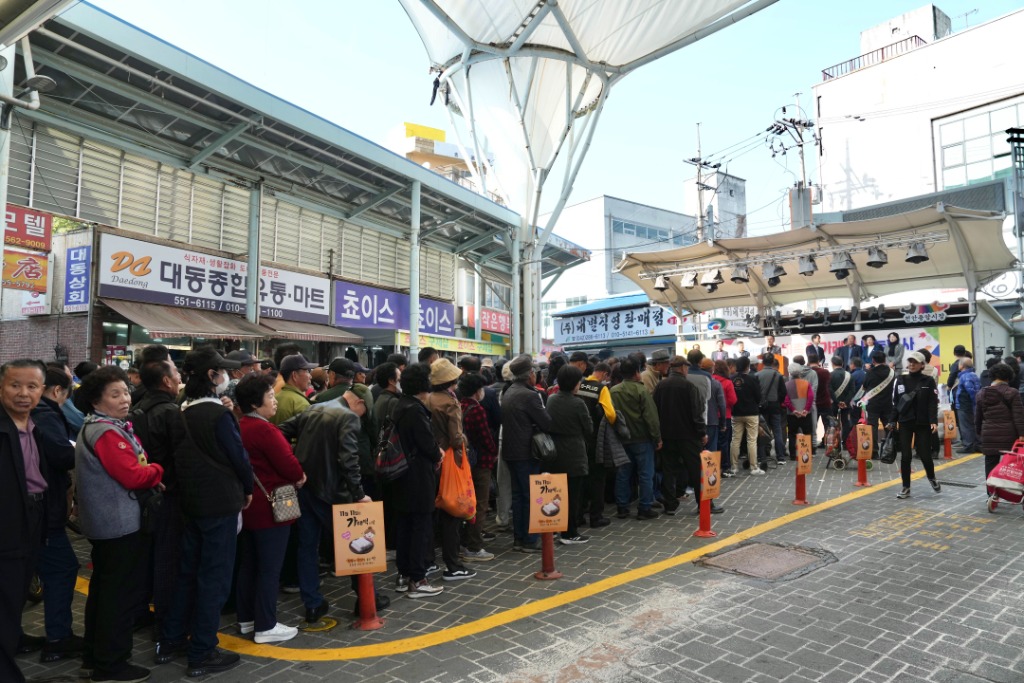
{"x":173,"y":475}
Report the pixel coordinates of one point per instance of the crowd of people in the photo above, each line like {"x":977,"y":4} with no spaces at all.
{"x":173,"y":469}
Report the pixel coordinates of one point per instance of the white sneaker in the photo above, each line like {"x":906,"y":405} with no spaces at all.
{"x":422,"y":589}
{"x":278,"y":634}
{"x":476,"y":555}
{"x":757,"y":471}
{"x":246,"y":627}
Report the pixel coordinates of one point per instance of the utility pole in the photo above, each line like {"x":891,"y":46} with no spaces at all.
{"x":794,"y":129}
{"x":701,"y":166}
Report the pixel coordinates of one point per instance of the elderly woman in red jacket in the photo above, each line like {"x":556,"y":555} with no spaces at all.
{"x":263,"y":541}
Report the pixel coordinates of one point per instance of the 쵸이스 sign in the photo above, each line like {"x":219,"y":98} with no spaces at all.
{"x":141,"y":271}
{"x":630,"y":323}
{"x":28,"y":228}
{"x":371,"y":307}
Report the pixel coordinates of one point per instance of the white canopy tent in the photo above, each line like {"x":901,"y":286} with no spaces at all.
{"x":533,"y":76}
{"x":964,"y":248}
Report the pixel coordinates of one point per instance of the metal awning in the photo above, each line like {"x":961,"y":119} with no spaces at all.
{"x":290,"y":329}
{"x":965,"y":249}
{"x":167,"y":321}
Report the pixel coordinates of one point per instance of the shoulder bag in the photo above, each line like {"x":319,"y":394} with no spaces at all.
{"x":542,"y":447}
{"x":284,"y":501}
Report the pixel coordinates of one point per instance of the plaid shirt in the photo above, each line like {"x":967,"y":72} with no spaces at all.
{"x":478,"y":433}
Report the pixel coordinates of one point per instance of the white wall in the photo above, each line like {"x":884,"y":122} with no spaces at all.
{"x":889,"y":154}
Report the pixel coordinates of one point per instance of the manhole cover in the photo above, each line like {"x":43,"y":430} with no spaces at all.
{"x":769,"y":561}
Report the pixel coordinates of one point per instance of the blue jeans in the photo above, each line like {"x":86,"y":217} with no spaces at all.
{"x":712,"y":444}
{"x":775,"y":421}
{"x":316,"y":514}
{"x":262,"y":554}
{"x":641,"y":458}
{"x":519,"y":472}
{"x":204,"y":582}
{"x":58,"y":570}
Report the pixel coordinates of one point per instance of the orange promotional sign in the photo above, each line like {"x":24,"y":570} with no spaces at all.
{"x":359,"y":539}
{"x":804,"y":454}
{"x":949,"y":420}
{"x":25,"y":271}
{"x":549,"y":503}
{"x":711,"y":474}
{"x":865,"y":442}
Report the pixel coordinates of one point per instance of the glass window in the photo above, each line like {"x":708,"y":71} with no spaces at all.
{"x":954,"y":177}
{"x":979,"y":171}
{"x":976,"y":126}
{"x":1004,"y":118}
{"x":977,"y":150}
{"x":1002,"y":164}
{"x":952,"y":156}
{"x":628,"y":229}
{"x":952,"y":132}
{"x":1000,"y":144}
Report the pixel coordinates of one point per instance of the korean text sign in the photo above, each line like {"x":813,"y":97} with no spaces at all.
{"x":371,"y":307}
{"x":141,"y":271}
{"x":630,"y":323}
{"x":77,"y":275}
{"x":359,"y":539}
{"x":25,"y":271}
{"x":28,"y":228}
{"x":549,"y":503}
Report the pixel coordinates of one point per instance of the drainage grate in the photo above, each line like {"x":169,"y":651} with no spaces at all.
{"x":768,"y":561}
{"x":958,"y":484}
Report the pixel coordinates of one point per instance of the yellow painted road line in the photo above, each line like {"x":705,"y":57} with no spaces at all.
{"x":414,"y":643}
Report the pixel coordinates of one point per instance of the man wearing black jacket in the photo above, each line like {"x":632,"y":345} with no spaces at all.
{"x":878,"y":383}
{"x":683,"y":434}
{"x":745,"y":416}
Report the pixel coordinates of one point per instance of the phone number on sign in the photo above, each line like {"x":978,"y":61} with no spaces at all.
{"x":207,"y":304}
{"x":21,"y":242}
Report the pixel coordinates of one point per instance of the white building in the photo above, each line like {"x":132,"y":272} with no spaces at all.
{"x":724,"y":201}
{"x":920,"y":110}
{"x":609,"y":226}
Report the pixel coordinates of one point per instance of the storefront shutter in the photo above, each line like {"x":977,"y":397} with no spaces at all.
{"x":55,"y":175}
{"x":101,"y":183}
{"x":234,"y":236}
{"x":20,"y":172}
{"x":207,"y":205}
{"x":175,"y":204}
{"x":138,"y":192}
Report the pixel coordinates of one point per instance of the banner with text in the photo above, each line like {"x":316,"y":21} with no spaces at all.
{"x":363,"y":306}
{"x":142,"y":271}
{"x":77,"y":279}
{"x":629,"y":323}
{"x":28,"y":228}
{"x":26,"y":271}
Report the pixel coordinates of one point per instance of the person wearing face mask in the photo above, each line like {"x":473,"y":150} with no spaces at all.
{"x":291,"y":400}
{"x":216,"y":482}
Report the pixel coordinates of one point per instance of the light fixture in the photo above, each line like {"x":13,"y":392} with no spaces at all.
{"x":916,"y":253}
{"x":807,"y":266}
{"x":660,"y":283}
{"x":877,"y":258}
{"x":773,"y":273}
{"x":711,"y":280}
{"x":688,"y":281}
{"x":842,"y":264}
{"x":740,"y":275}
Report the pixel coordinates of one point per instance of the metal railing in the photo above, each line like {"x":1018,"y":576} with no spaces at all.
{"x":874,"y":57}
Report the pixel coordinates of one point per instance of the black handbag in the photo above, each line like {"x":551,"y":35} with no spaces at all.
{"x":889,"y":447}
{"x":542,"y":447}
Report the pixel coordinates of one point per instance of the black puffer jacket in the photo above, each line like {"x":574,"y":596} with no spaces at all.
{"x":328,"y":450}
{"x":923,"y":409}
{"x":417,"y":488}
{"x":998,"y":418}
{"x":522,"y":415}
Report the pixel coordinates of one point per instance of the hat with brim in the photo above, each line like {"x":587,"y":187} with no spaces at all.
{"x":660,"y":356}
{"x":520,"y":365}
{"x":678,"y":362}
{"x":294,"y":363}
{"x":915,"y":356}
{"x":243,"y":357}
{"x":442,"y":372}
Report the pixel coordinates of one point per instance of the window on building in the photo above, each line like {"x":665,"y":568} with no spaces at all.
{"x":973,"y":146}
{"x":495,"y":296}
{"x":575,"y":301}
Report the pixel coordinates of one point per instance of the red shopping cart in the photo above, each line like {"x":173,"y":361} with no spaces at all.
{"x":1006,"y":480}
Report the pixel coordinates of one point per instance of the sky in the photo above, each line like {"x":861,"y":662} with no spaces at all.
{"x":362,"y":66}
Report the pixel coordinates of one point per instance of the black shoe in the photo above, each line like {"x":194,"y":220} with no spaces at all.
{"x":382,"y":602}
{"x":716,"y":509}
{"x":68,"y":648}
{"x":215,"y":662}
{"x":30,"y":644}
{"x":167,"y":650}
{"x":129,"y":673}
{"x":904,"y":493}
{"x":936,"y":486}
{"x":623,"y":513}
{"x":313,"y":615}
{"x":487,"y":537}
{"x":597,"y":522}
{"x":646,"y":514}
{"x":672,"y":512}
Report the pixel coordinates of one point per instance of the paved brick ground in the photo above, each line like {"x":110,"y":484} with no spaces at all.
{"x":922,"y":590}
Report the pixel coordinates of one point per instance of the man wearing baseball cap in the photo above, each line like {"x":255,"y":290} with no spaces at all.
{"x":247,"y":362}
{"x":296,"y":373}
{"x":357,"y":397}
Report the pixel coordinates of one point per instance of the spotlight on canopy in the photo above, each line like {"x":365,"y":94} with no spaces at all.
{"x":711,"y":280}
{"x":740,"y":275}
{"x":688,"y":281}
{"x":807,"y":266}
{"x":842,"y":264}
{"x":773,"y":273}
{"x":877,"y":257}
{"x":660,"y":283}
{"x":916,"y":253}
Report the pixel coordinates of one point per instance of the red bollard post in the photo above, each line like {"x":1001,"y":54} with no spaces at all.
{"x":948,"y":449}
{"x":862,"y":473}
{"x":705,"y":520}
{"x":368,"y":619}
{"x":801,"y":490}
{"x":547,"y":559}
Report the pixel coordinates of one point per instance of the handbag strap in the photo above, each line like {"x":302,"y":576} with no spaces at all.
{"x":270,"y":499}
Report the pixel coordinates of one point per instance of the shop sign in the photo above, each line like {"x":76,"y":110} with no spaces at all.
{"x":491,"y":320}
{"x":454,"y":344}
{"x":929,"y":317}
{"x":804,"y":454}
{"x":28,"y":228}
{"x":77,"y":276}
{"x":865,"y":442}
{"x":25,"y":271}
{"x":630,"y":323}
{"x":34,"y":303}
{"x":549,"y":503}
{"x":359,"y":539}
{"x":142,"y":271}
{"x":371,"y":307}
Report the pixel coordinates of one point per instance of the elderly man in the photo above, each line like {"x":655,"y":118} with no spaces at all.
{"x":522,"y":414}
{"x":657,"y":368}
{"x":291,"y":400}
{"x":248,"y":363}
{"x":633,"y":404}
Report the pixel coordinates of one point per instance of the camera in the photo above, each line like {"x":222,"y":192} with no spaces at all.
{"x":995,"y":351}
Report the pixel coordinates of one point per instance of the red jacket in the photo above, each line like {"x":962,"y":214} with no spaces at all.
{"x":730,"y":394}
{"x":274,"y":465}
